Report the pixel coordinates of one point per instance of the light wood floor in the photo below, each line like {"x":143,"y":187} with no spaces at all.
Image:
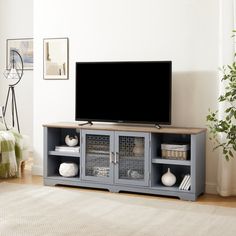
{"x":208,"y":199}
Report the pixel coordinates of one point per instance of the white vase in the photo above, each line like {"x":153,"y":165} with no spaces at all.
{"x":168,"y":179}
{"x":71,"y":140}
{"x":67,"y":169}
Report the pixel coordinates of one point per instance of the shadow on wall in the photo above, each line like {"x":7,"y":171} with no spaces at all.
{"x":193,"y":93}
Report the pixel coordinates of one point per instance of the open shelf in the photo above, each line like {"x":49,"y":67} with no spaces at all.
{"x":178,"y":170}
{"x":54,"y":162}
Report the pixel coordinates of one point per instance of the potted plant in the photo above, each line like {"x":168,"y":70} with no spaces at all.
{"x":223,"y":129}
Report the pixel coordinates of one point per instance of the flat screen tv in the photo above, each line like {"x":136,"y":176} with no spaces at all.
{"x":124,"y":91}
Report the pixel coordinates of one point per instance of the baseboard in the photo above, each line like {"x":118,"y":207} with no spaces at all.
{"x":37,"y":170}
{"x":211,"y":188}
{"x":226,"y":193}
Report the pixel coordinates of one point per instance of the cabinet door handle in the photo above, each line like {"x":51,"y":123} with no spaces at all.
{"x":116,"y":157}
{"x":111,"y":157}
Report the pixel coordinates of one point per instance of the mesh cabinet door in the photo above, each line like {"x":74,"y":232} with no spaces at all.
{"x":131,"y":158}
{"x":97,"y":156}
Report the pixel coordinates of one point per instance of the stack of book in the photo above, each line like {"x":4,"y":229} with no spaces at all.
{"x":65,"y":148}
{"x":186,"y":183}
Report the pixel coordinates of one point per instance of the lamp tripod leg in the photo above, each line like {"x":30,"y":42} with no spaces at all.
{"x":14,"y":108}
{"x":5,"y":107}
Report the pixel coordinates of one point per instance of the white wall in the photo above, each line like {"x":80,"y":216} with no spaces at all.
{"x":16,"y":21}
{"x":184,"y":31}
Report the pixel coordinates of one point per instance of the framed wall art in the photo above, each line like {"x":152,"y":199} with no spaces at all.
{"x":55,"y":58}
{"x":24,"y":46}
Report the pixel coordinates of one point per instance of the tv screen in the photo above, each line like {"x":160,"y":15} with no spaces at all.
{"x":133,"y":91}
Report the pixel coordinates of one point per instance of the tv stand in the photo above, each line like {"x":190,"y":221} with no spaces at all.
{"x":87,"y":123}
{"x":127,"y":158}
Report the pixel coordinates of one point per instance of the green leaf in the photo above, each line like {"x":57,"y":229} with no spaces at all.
{"x":228,"y":109}
{"x":227,"y":157}
{"x":222,"y":98}
{"x":231,"y":154}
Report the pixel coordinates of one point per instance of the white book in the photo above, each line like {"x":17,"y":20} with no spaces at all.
{"x":180,"y":186}
{"x":183,"y":182}
{"x":67,"y":149}
{"x":188,"y":184}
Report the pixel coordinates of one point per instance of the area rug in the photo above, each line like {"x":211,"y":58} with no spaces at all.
{"x":29,"y":210}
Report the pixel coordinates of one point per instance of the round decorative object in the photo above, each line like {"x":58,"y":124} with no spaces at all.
{"x":67,"y":169}
{"x":71,"y":140}
{"x":134,"y":174}
{"x":168,"y":179}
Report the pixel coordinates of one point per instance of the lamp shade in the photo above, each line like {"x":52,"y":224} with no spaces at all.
{"x":15,"y":70}
{"x":12,"y":74}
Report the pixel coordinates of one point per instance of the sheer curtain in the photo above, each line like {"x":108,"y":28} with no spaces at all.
{"x":226,"y":176}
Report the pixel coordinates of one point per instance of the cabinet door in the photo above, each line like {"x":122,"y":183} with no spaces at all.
{"x":97,"y":155}
{"x":131,"y":158}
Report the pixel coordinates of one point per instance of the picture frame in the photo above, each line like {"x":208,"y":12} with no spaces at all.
{"x":24,"y":46}
{"x":56,"y":58}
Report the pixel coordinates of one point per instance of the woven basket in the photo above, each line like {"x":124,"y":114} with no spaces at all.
{"x":174,"y":155}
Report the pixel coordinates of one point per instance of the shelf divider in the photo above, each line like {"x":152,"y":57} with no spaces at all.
{"x":171,"y":162}
{"x":59,"y":153}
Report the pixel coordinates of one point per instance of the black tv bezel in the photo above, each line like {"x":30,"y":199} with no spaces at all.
{"x":89,"y":120}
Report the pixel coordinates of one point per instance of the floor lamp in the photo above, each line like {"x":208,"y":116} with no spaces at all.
{"x":13,"y":73}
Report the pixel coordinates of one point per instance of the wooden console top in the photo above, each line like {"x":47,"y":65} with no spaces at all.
{"x":131,"y":128}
